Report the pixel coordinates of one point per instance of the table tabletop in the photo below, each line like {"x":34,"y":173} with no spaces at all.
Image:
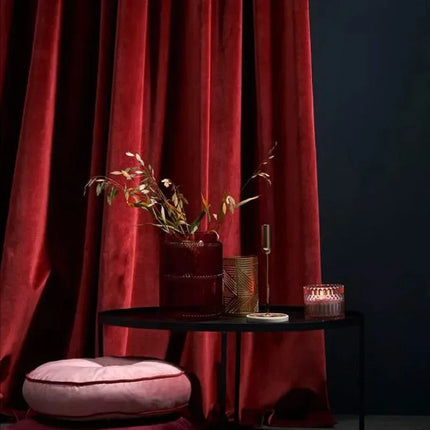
{"x":156,"y":318}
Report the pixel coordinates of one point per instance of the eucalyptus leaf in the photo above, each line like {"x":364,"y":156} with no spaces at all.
{"x":246,"y":201}
{"x":100,"y":187}
{"x":111,"y":195}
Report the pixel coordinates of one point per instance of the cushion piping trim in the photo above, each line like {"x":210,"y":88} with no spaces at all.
{"x":107,"y":381}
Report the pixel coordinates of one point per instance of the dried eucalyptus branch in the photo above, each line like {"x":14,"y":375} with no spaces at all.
{"x":167,"y":211}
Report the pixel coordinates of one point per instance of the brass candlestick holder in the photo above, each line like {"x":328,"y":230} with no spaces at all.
{"x":267,"y":316}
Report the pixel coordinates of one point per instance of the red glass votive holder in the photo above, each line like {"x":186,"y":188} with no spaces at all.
{"x":324,"y":301}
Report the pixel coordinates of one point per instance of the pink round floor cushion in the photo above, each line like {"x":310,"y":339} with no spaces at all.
{"x":106,"y":387}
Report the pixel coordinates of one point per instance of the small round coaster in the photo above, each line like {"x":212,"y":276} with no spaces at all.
{"x":267,"y":317}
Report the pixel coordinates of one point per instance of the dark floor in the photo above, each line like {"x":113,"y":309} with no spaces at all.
{"x":372,"y":422}
{"x":382,"y":422}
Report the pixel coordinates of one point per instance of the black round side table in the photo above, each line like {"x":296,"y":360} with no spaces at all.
{"x":154,"y":318}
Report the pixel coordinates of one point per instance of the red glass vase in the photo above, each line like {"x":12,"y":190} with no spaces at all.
{"x":191,"y":276}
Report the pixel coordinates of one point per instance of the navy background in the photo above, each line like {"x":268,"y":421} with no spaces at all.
{"x":371,"y":77}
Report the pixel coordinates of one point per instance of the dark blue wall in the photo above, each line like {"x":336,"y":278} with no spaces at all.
{"x":371,"y":74}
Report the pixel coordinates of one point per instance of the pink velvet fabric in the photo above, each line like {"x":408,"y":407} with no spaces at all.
{"x":106,"y":387}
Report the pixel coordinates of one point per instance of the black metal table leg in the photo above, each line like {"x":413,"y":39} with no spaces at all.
{"x":100,"y":333}
{"x":223,"y":377}
{"x":361,"y":382}
{"x":237,"y":376}
{"x":175,"y":347}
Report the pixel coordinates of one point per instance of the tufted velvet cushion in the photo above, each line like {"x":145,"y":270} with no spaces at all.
{"x":106,"y":387}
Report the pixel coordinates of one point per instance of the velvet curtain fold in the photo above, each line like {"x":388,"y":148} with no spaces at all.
{"x":201,"y":89}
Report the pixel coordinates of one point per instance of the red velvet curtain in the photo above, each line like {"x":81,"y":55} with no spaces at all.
{"x":201,"y":89}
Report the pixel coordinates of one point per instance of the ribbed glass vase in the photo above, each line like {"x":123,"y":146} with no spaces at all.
{"x":191,"y":276}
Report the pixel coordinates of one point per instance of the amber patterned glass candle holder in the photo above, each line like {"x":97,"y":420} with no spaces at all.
{"x":240,"y":292}
{"x":324,"y":301}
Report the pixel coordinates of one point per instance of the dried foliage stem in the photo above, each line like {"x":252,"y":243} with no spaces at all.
{"x":141,"y":190}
